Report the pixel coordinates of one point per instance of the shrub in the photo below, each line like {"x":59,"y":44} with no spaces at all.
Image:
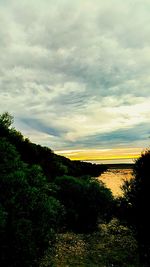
{"x":137,"y":198}
{"x":29,"y":215}
{"x":86,"y":201}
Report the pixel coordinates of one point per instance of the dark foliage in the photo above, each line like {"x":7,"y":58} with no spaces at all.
{"x":40,"y":194}
{"x":86,"y":201}
{"x":79,"y":168}
{"x":29,"y":215}
{"x":53,"y":165}
{"x":136,"y":203}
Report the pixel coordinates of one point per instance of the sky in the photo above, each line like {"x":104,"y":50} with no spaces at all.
{"x":76,"y":74}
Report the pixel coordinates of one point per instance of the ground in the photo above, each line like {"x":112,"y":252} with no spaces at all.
{"x":112,"y":245}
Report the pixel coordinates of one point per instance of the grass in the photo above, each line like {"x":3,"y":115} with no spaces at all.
{"x":112,"y":245}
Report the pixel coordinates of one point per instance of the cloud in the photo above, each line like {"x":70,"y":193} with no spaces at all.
{"x":131,"y":137}
{"x":72,"y":72}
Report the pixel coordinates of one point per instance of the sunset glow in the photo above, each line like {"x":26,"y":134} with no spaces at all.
{"x":101,"y":154}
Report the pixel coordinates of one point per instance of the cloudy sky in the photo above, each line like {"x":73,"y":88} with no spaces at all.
{"x":76,"y":74}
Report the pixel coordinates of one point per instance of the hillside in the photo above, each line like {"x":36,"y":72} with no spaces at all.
{"x":53,"y":165}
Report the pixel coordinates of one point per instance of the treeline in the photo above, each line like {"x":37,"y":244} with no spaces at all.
{"x":52,"y":165}
{"x":42,"y":194}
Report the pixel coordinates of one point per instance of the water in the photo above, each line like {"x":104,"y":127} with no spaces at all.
{"x":114,"y":178}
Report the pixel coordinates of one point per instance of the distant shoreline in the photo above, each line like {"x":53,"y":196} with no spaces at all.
{"x":114,"y":163}
{"x":120,"y":166}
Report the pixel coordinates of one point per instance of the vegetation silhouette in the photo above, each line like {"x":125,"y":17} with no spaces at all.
{"x":42,"y":194}
{"x":52,"y":165}
{"x":135,"y":204}
{"x":29,"y":214}
{"x":86,"y":201}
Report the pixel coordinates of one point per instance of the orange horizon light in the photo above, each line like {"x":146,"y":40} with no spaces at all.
{"x":108,"y":154}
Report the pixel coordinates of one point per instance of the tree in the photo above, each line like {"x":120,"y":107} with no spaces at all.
{"x":86,"y":202}
{"x":29,"y":214}
{"x":6,"y":119}
{"x":137,"y":198}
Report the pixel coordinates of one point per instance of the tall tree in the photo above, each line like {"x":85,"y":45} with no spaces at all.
{"x":137,"y":198}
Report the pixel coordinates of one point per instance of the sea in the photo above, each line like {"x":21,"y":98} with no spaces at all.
{"x":114,"y":177}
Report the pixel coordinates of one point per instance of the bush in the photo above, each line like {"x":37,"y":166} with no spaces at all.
{"x":137,"y":198}
{"x":29,"y":214}
{"x":86,"y":201}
